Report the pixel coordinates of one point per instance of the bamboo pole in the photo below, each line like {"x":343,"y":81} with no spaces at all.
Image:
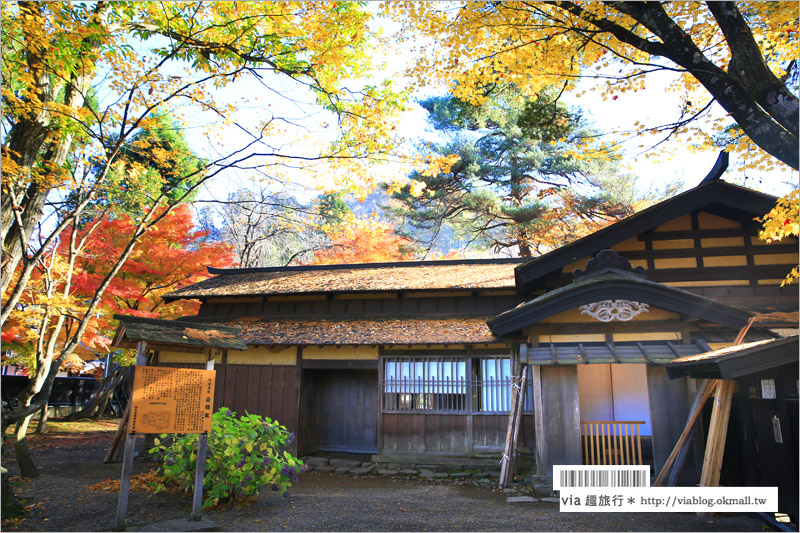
{"x":518,"y":423}
{"x":510,"y":428}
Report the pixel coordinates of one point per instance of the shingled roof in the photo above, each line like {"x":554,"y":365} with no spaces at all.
{"x":133,"y":329}
{"x":472,"y":274}
{"x":737,"y":361}
{"x":366,"y":332}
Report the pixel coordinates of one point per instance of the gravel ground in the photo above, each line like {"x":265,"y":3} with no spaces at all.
{"x":319,"y":502}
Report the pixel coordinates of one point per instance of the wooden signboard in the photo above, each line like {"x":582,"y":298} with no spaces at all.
{"x":171,"y":400}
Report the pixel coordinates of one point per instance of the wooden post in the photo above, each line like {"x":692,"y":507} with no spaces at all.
{"x":130,"y":450}
{"x":125,"y":481}
{"x":504,"y":463}
{"x":113,"y":451}
{"x":538,"y":420}
{"x":199,"y":478}
{"x":717,"y":434}
{"x":200,"y":463}
{"x":518,"y":423}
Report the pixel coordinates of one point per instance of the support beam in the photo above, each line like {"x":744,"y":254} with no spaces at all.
{"x":686,"y":432}
{"x":717,"y":434}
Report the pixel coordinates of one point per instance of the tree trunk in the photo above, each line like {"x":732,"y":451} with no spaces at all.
{"x":33,"y":207}
{"x":41,"y":429}
{"x":24,"y":459}
{"x":10,"y":506}
{"x":36,"y":139}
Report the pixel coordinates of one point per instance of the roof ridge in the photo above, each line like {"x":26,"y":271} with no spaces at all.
{"x":364,"y":266}
{"x":254,"y":319}
{"x":168,"y":322}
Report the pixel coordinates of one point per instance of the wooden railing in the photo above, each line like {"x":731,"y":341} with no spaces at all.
{"x":611,"y":442}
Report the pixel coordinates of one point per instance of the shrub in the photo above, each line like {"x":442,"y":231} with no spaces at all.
{"x":244,"y":456}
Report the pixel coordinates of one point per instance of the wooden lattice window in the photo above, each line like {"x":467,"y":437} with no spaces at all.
{"x":425,"y":384}
{"x":447,"y":384}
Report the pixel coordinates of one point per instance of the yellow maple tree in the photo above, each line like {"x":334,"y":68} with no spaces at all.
{"x":782,"y":222}
{"x":740,"y":55}
{"x":83,"y":80}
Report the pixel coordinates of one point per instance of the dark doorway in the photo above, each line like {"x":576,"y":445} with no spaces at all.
{"x":341,"y":410}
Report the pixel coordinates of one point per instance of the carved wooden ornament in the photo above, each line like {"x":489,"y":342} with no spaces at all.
{"x":609,"y":310}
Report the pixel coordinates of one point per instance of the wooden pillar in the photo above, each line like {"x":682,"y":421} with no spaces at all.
{"x":538,"y":420}
{"x":470,"y":389}
{"x":558,"y":438}
{"x":717,"y":434}
{"x":200,"y":463}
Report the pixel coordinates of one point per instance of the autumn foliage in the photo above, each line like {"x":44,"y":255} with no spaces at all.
{"x":169,"y":256}
{"x":740,"y":56}
{"x":782,"y":222}
{"x":367,"y":240}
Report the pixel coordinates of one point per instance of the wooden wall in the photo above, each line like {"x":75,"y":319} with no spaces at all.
{"x":266,"y":390}
{"x":710,"y":255}
{"x":456,"y":434}
{"x":669,"y":410}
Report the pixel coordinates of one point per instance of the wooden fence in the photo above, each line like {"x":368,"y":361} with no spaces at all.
{"x":611,"y":442}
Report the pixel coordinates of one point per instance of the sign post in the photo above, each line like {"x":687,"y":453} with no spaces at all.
{"x":168,"y":400}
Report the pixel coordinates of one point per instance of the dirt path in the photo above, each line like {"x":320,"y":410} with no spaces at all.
{"x":62,"y":501}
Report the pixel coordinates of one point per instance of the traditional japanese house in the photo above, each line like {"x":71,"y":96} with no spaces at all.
{"x":412,"y":361}
{"x":390,"y":359}
{"x":684,"y":274}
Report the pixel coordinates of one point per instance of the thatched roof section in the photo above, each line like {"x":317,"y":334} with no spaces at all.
{"x":366,"y":332}
{"x":380,"y":277}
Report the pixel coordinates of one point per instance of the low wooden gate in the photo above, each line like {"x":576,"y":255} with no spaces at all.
{"x":611,"y":442}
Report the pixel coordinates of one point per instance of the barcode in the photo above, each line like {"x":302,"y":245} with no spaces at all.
{"x":603,"y":478}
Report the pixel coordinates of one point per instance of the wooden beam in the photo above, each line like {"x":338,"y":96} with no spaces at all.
{"x":671,"y":275}
{"x":703,"y":234}
{"x":611,"y":328}
{"x":332,"y":364}
{"x":717,"y":434}
{"x":643,"y":348}
{"x":709,"y":252}
{"x":743,"y":333}
{"x":176,"y":348}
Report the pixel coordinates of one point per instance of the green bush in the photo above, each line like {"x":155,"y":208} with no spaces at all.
{"x":244,"y":456}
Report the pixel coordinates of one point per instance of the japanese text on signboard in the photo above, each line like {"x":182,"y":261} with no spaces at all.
{"x":172,"y":400}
